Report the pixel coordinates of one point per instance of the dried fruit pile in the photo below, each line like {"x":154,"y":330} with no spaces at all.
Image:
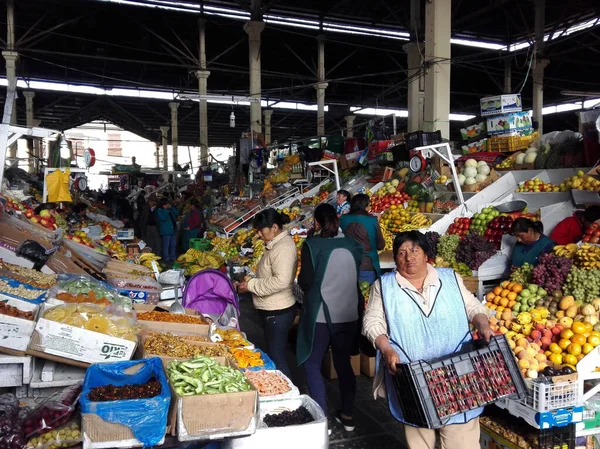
{"x":5,"y":309}
{"x":168,"y":345}
{"x":170,"y":318}
{"x":246,"y":358}
{"x":111,"y":392}
{"x":268,"y":383}
{"x":286,"y":418}
{"x":80,"y":298}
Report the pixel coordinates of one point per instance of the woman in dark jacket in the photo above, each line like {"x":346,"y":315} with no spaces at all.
{"x":193,"y":224}
{"x":149,"y":227}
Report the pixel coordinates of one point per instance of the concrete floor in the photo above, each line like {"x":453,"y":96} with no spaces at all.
{"x":375,"y":426}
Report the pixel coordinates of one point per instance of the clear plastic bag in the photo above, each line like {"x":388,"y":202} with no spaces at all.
{"x":66,"y":435}
{"x":53,"y":413}
{"x":11,"y":422}
{"x":77,"y":284}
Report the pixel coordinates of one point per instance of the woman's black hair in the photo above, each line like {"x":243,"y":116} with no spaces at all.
{"x":359,"y":204}
{"x":347,"y":194}
{"x":194,"y":202}
{"x":269,"y":217}
{"x":326,"y":216}
{"x":162,"y":202}
{"x":416,"y":238}
{"x":524,"y":224}
{"x":80,"y":207}
{"x":591,"y":214}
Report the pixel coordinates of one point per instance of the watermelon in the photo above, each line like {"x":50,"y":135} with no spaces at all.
{"x":413,"y":188}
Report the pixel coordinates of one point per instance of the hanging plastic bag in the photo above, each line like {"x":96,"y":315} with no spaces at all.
{"x":34,"y":252}
{"x":76,"y":285}
{"x":66,"y":435}
{"x":147,"y":418}
{"x":58,"y":187}
{"x":53,"y":413}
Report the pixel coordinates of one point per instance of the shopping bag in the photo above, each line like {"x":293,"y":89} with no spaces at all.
{"x":58,"y":187}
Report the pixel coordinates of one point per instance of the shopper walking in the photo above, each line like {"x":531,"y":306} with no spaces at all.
{"x":422,"y":313}
{"x":273,"y":288}
{"x":148,"y":223}
{"x":365,"y":229}
{"x":329,"y":278}
{"x":167,"y":227}
{"x":193,"y":224}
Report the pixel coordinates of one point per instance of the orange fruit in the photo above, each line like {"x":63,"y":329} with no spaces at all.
{"x":524,"y":363}
{"x":500,"y":309}
{"x":511,"y":304}
{"x":574,"y":349}
{"x":587,"y":348}
{"x":594,"y":340}
{"x":580,"y":356}
{"x":497,"y":290}
{"x":492,"y":306}
{"x":564,"y":343}
{"x":588,"y":327}
{"x":510,"y":286}
{"x":567,"y":334}
{"x":578,"y":338}
{"x":497,"y":299}
{"x":504,"y":293}
{"x":518,"y":288}
{"x":512,"y":296}
{"x":570,"y":359}
{"x":556,"y":358}
{"x":554,"y":348}
{"x":578,"y":327}
{"x":490,"y":297}
{"x":503,"y":284}
{"x":504,"y":302}
{"x":595,"y":333}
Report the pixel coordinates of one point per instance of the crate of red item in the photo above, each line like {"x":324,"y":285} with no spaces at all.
{"x":431,"y":392}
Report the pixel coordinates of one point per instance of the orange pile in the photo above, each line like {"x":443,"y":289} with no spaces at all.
{"x":575,"y":342}
{"x":503,"y":296}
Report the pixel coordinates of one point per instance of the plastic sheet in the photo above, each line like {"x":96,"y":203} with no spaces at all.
{"x":147,"y":418}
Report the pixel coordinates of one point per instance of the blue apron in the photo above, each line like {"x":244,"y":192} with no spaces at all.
{"x":415,"y":336}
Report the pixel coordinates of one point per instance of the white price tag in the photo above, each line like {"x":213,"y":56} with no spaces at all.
{"x":155,"y":268}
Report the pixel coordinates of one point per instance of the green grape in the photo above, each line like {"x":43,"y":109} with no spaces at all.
{"x":447,"y":246}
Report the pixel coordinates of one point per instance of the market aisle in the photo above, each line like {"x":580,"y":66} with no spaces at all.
{"x":375,"y":426}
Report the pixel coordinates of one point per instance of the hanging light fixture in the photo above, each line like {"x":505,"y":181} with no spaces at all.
{"x":232,"y":120}
{"x":65,"y":152}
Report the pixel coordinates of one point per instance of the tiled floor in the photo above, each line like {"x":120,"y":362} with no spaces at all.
{"x":375,"y":427}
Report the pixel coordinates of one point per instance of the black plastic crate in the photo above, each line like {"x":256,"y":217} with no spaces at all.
{"x":431,"y":392}
{"x":558,"y":438}
{"x":422,"y":138}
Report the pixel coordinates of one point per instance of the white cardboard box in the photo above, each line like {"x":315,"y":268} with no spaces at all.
{"x":74,"y":346}
{"x":16,"y":332}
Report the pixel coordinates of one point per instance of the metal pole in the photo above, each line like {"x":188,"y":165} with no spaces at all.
{"x":11,"y":56}
{"x":164,"y":132}
{"x":29,"y":117}
{"x":320,"y":87}
{"x":254,"y":29}
{"x":174,"y":132}
{"x":203,"y":75}
{"x":507,"y":75}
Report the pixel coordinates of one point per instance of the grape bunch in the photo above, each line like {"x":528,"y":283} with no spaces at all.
{"x":523,"y":274}
{"x":583,"y":285}
{"x":551,"y":272}
{"x":474,"y":250}
{"x":446,"y":248}
{"x":433,"y":239}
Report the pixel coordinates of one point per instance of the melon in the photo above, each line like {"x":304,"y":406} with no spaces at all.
{"x":483,"y":170}
{"x":471,"y":163}
{"x":461,"y":179}
{"x":530,"y":158}
{"x":470,"y":172}
{"x":480,"y":177}
{"x":520,"y":158}
{"x":412,"y":188}
{"x":470,"y":181}
{"x":531,"y":150}
{"x":480,"y":163}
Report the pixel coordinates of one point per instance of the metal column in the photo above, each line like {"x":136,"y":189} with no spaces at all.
{"x":174,"y":132}
{"x":415,"y":80}
{"x":29,"y":117}
{"x":508,"y":75}
{"x":164,"y":130}
{"x":254,"y":29}
{"x":350,"y":125}
{"x":202,"y":76}
{"x":268,"y":113}
{"x":320,"y":87}
{"x":11,"y":57}
{"x":539,"y":64}
{"x":437,"y":66}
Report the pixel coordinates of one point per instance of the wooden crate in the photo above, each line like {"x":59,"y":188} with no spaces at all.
{"x":472,"y":283}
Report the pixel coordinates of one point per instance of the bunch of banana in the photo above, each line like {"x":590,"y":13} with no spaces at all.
{"x":587,"y":257}
{"x":146,"y":260}
{"x":388,"y":237}
{"x":119,"y":256}
{"x":567,"y":251}
{"x":420,"y":221}
{"x":202,"y":261}
{"x":221,"y":244}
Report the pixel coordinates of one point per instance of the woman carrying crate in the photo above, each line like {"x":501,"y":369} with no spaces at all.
{"x":422,"y":313}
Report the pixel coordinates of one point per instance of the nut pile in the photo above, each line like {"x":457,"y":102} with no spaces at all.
{"x":168,"y":345}
{"x":170,"y":318}
{"x":27,"y":275}
{"x":20,"y":291}
{"x":111,"y":392}
{"x":5,"y":309}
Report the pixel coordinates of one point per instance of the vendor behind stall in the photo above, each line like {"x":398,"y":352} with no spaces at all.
{"x":343,"y":198}
{"x":531,"y":242}
{"x":194,"y":224}
{"x":572,"y":229}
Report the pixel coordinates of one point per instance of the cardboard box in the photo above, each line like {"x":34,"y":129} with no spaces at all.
{"x":100,"y":434}
{"x":501,"y":104}
{"x":367,"y":365}
{"x":74,"y":346}
{"x":350,"y":160}
{"x":142,"y":354}
{"x":508,"y":123}
{"x":213,"y":416}
{"x":16,"y":332}
{"x":329,"y":371}
{"x":173,"y":328}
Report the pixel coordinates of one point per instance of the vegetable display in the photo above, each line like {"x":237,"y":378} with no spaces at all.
{"x":551,"y":272}
{"x":289,"y":418}
{"x":204,"y":375}
{"x":5,"y":309}
{"x":54,"y":412}
{"x":246,"y":358}
{"x":268,"y":383}
{"x":111,"y":392}
{"x":168,"y":345}
{"x":474,"y":250}
{"x":165,"y":317}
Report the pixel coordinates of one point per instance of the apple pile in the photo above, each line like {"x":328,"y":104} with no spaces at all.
{"x":17,"y":206}
{"x":81,"y":237}
{"x":460,"y":226}
{"x":45,"y":219}
{"x":481,"y":219}
{"x":496,"y":228}
{"x":537,"y":185}
{"x":107,"y":228}
{"x":592,"y":234}
{"x":380,"y":203}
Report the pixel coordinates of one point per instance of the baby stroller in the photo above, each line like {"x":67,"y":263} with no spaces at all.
{"x":212,"y":293}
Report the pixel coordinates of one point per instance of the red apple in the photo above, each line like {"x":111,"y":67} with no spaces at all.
{"x":29,"y":213}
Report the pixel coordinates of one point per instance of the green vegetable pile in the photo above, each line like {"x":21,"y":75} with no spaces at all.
{"x":204,"y":375}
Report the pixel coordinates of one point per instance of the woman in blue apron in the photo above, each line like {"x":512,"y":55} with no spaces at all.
{"x":531,"y":242}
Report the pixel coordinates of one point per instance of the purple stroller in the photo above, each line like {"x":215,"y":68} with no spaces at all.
{"x":212,"y":293}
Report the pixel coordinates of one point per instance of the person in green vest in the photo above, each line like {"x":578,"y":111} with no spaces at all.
{"x":329,"y":278}
{"x":365,"y":229}
{"x":531,"y":242}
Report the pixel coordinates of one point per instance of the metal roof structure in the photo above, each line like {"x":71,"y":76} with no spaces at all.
{"x":152,"y":45}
